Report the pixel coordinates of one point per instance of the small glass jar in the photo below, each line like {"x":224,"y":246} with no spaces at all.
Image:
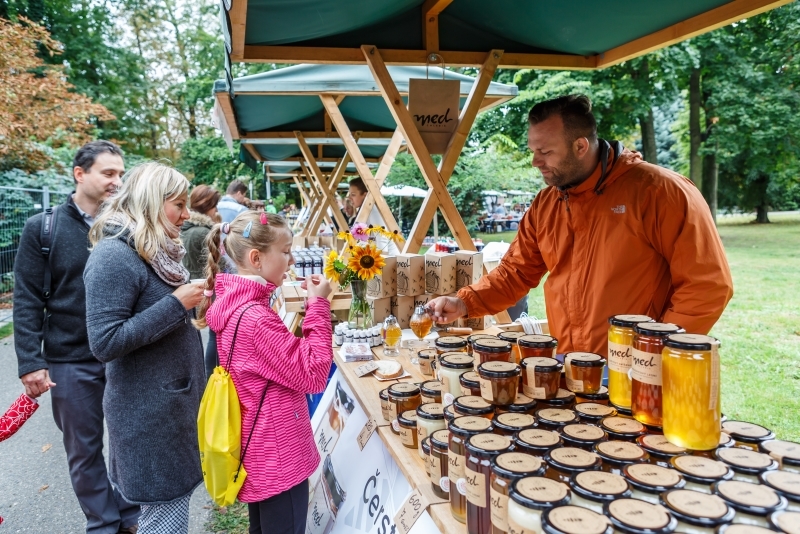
{"x":583,"y":371}
{"x":461,"y":429}
{"x":541,"y":377}
{"x":563,"y":399}
{"x":507,"y":468}
{"x":490,"y":350}
{"x":449,"y":414}
{"x":747,"y":464}
{"x":522,"y":404}
{"x":617,"y":454}
{"x":508,"y":424}
{"x":693,"y":509}
{"x":785,"y":483}
{"x":632,"y":516}
{"x":601,"y":397}
{"x":582,"y":436}
{"x":649,"y":481}
{"x":403,"y":396}
{"x":537,"y":441}
{"x":451,"y":367}
{"x":470,"y":383}
{"x":386,"y":411}
{"x":747,"y":435}
{"x":430,"y":418}
{"x":574,"y":520}
{"x":593,"y":413}
{"x":474,"y":337}
{"x":787,"y":453}
{"x":660,"y":450}
{"x":786,"y":522}
{"x":752,"y":502}
{"x":622,"y":428}
{"x":431,"y":391}
{"x":440,"y":482}
{"x":513,"y":339}
{"x":564,"y":462}
{"x":700,"y":472}
{"x":499,"y":382}
{"x":481,"y":449}
{"x":450,"y":344}
{"x":691,"y":391}
{"x":592,"y":489}
{"x":471,"y":405}
{"x":537,"y":346}
{"x":555,"y":418}
{"x":426,"y":359}
{"x":648,"y":344}
{"x":408,"y":429}
{"x":529,"y":497}
{"x":620,"y":350}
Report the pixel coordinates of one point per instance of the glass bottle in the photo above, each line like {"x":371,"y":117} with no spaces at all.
{"x":648,"y":343}
{"x":392,"y":333}
{"x":620,"y":350}
{"x":481,"y":449}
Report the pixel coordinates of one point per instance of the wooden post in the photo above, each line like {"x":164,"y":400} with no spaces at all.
{"x":324,"y":200}
{"x":381,"y":174}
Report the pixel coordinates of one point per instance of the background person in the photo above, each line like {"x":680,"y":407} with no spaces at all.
{"x":234,"y":202}
{"x":357,"y":194}
{"x":139,"y":308}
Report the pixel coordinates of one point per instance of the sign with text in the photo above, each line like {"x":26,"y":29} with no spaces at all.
{"x":433,"y":104}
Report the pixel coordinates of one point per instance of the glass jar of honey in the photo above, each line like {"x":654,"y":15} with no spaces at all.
{"x":620,"y":352}
{"x":474,"y":337}
{"x":747,"y":464}
{"x":700,"y":472}
{"x":507,"y":468}
{"x":386,"y":412}
{"x":582,"y":436}
{"x":592,"y":413}
{"x":512,"y":338}
{"x":574,"y":520}
{"x":555,"y":418}
{"x":583,"y":371}
{"x":440,"y":482}
{"x":403,"y":396}
{"x":450,"y":344}
{"x":499,"y":382}
{"x":649,"y":481}
{"x":693,"y":509}
{"x":660,"y":450}
{"x":481,"y":449}
{"x":470,"y":383}
{"x":690,"y":394}
{"x":632,"y":516}
{"x":407,"y":422}
{"x":537,"y":346}
{"x":564,"y":399}
{"x":541,"y":377}
{"x":786,"y":452}
{"x":592,"y":489}
{"x":537,"y":441}
{"x":430,"y":418}
{"x":449,"y":414}
{"x":785,"y":522}
{"x":747,"y":434}
{"x":490,"y":350}
{"x":601,"y":397}
{"x":529,"y":497}
{"x":617,"y":454}
{"x":564,"y":462}
{"x":521,"y":404}
{"x":451,"y":367}
{"x":622,"y":428}
{"x":753,"y":502}
{"x":786,"y":484}
{"x":648,"y":344}
{"x":461,"y":429}
{"x":508,"y":424}
{"x":427,"y":359}
{"x":431,"y":391}
{"x":471,"y":405}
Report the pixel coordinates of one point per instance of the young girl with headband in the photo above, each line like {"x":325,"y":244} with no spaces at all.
{"x":270,"y":367}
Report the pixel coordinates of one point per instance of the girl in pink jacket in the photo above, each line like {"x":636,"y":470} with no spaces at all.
{"x":269,"y":362}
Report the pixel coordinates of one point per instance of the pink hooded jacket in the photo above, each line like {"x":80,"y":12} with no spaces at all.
{"x":282,"y":452}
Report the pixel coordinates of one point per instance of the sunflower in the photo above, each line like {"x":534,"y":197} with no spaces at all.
{"x":330,"y":270}
{"x":396,"y":237}
{"x":366,"y":261}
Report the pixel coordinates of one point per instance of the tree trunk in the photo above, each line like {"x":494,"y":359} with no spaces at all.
{"x":649,"y":149}
{"x":710,"y":180}
{"x":695,"y":133}
{"x":762,"y":209}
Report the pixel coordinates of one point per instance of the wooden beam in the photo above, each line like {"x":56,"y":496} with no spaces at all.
{"x":430,"y":23}
{"x":238,"y":16}
{"x":692,"y":27}
{"x":253,"y":152}
{"x":309,"y":135}
{"x":325,"y":199}
{"x":381,"y":174}
{"x":226,"y":105}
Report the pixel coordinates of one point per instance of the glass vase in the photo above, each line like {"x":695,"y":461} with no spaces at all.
{"x":360,"y":316}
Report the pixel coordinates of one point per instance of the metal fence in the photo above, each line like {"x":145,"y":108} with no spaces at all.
{"x":17,"y":204}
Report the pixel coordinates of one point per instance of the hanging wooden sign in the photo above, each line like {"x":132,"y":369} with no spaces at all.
{"x":433,"y":104}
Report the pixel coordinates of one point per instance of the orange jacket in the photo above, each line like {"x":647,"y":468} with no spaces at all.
{"x":645,"y":245}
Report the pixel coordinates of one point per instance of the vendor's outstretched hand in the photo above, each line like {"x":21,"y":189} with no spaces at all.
{"x":447,"y":309}
{"x":317,"y":286}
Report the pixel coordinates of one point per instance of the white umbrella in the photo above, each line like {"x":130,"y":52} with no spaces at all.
{"x":402,"y":191}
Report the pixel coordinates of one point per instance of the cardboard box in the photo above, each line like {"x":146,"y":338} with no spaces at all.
{"x":440,"y":273}
{"x":476,"y":323}
{"x":395,"y":312}
{"x":406,"y":306}
{"x":469,"y":267}
{"x":410,"y":274}
{"x":385,"y":284}
{"x":381,"y":308}
{"x":298,"y":242}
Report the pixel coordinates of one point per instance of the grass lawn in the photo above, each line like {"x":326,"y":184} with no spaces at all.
{"x":6,"y":330}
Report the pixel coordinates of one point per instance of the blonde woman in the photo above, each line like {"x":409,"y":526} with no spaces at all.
{"x":139,"y":308}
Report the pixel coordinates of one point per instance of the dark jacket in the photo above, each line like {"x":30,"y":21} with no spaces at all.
{"x":61,"y":321}
{"x":154,"y":372}
{"x":193,"y":235}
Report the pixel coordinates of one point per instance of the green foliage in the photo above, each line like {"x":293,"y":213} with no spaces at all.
{"x":208,"y":160}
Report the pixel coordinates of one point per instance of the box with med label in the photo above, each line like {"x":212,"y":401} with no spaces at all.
{"x":469,"y":267}
{"x":410,"y":274}
{"x":476,"y":323}
{"x":381,"y":308}
{"x":440,"y":273}
{"x":385,"y":284}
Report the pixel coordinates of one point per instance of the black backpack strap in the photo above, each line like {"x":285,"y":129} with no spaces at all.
{"x":46,"y":239}
{"x":605,"y":148}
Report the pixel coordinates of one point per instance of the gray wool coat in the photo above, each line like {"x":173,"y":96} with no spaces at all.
{"x":154,"y":372}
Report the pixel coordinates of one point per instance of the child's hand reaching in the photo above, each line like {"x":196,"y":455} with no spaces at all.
{"x":317,"y":286}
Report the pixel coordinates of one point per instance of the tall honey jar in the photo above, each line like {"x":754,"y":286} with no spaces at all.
{"x":461,"y":429}
{"x":506,"y":469}
{"x":620,"y":353}
{"x":440,"y":482}
{"x":648,"y":344}
{"x":481,"y":449}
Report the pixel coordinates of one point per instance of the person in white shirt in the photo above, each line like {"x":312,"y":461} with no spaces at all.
{"x":356,"y":195}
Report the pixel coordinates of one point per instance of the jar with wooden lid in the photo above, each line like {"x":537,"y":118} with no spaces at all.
{"x":786,"y":522}
{"x":746,"y":434}
{"x":499,"y":382}
{"x":697,"y":513}
{"x":513,"y":339}
{"x":632,"y":516}
{"x":583,"y":371}
{"x":700,"y":472}
{"x":725,"y":442}
{"x":617,"y":454}
{"x":555,"y":418}
{"x":753,"y":502}
{"x":529,"y":498}
{"x":386,"y":411}
{"x":787,"y":453}
{"x":471,"y":405}
{"x":786,"y":483}
{"x":403,"y":397}
{"x":474,"y":337}
{"x":440,"y":482}
{"x":564,"y":462}
{"x":691,"y":391}
{"x":451,"y":367}
{"x":541,"y":377}
{"x":601,"y":397}
{"x":537,"y":441}
{"x":521,"y":404}
{"x":660,"y":450}
{"x":592,"y":413}
{"x":408,"y":429}
{"x":426,"y":359}
{"x":470,"y":383}
{"x":461,"y":429}
{"x":431,"y":391}
{"x":582,"y":436}
{"x":620,"y":357}
{"x":430,"y":418}
{"x":537,"y":346}
{"x":449,"y":414}
{"x":507,"y":468}
{"x":646,"y":384}
{"x":747,"y":464}
{"x":491,"y":350}
{"x":450,"y":344}
{"x":649,"y":481}
{"x":738,"y":528}
{"x":574,"y":520}
{"x":592,"y":489}
{"x":481,"y":449}
{"x":563,"y":399}
{"x":508,"y":424}
{"x":622,"y":428}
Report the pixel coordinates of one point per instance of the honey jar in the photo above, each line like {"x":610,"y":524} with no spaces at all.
{"x":529,"y":497}
{"x":408,"y":429}
{"x":499,"y":382}
{"x":620,"y":353}
{"x":753,"y":502}
{"x":386,"y":412}
{"x":582,"y":436}
{"x":427,"y":359}
{"x":601,"y":397}
{"x":555,"y":418}
{"x":470,"y":405}
{"x":537,"y":346}
{"x":592,"y":489}
{"x":660,"y":450}
{"x":440,"y":482}
{"x":403,"y":397}
{"x":537,"y":441}
{"x":490,"y":350}
{"x":747,"y":434}
{"x":786,"y":483}
{"x":512,"y":338}
{"x":747,"y":464}
{"x":470,"y":383}
{"x":738,"y":528}
{"x":574,"y":520}
{"x":481,"y":449}
{"x":430,"y":418}
{"x":563,"y":399}
{"x":786,"y":522}
{"x":507,"y":468}
{"x":471,"y":341}
{"x":583,"y":371}
{"x":508,"y":424}
{"x":564,"y":462}
{"x":700,"y":472}
{"x":693,"y":509}
{"x":461,"y":429}
{"x":648,"y":344}
{"x":617,"y":454}
{"x":787,"y":453}
{"x":622,"y":428}
{"x":592,"y":413}
{"x":450,"y":344}
{"x":521,"y":404}
{"x":451,"y":367}
{"x":431,"y":391}
{"x":633,"y":516}
{"x":649,"y":481}
{"x":541,"y":377}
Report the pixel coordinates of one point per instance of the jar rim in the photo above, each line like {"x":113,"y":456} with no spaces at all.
{"x":694,"y":519}
{"x":436,"y":438}
{"x":555,"y":462}
{"x":657,"y":329}
{"x":503,"y":369}
{"x":583,"y":491}
{"x":469,"y":381}
{"x":408,"y":418}
{"x":608,"y":456}
{"x":691,"y":342}
{"x":717,"y":489}
{"x":431,"y":389}
{"x":481,"y":409}
{"x":481,"y":425}
{"x":413,"y":390}
{"x":512,"y":474}
{"x":626,"y":526}
{"x":587,"y":359}
{"x":450,"y":342}
{"x":511,"y":336}
{"x":642,"y":485}
{"x":515,"y":493}
{"x":628,"y":320}
{"x":568,"y":437}
{"x":495,"y":345}
{"x":549,"y":526}
{"x":510,"y":427}
{"x":424,"y":413}
{"x":462,"y":360}
{"x":537,"y":341}
{"x":540,"y":362}
{"x":677,"y":463}
{"x":493,"y":444}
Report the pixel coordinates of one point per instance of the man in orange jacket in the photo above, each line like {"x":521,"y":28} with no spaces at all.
{"x":617,"y":235}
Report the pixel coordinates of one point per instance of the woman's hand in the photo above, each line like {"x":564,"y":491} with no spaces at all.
{"x":190,"y":295}
{"x":317,"y":286}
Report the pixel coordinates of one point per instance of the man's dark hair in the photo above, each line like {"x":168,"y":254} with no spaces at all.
{"x":236,"y":186}
{"x":358,"y":183}
{"x":575,"y":112}
{"x":87,"y":154}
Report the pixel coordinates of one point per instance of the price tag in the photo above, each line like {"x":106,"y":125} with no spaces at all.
{"x":366,"y":369}
{"x":409,"y":512}
{"x":366,"y":433}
